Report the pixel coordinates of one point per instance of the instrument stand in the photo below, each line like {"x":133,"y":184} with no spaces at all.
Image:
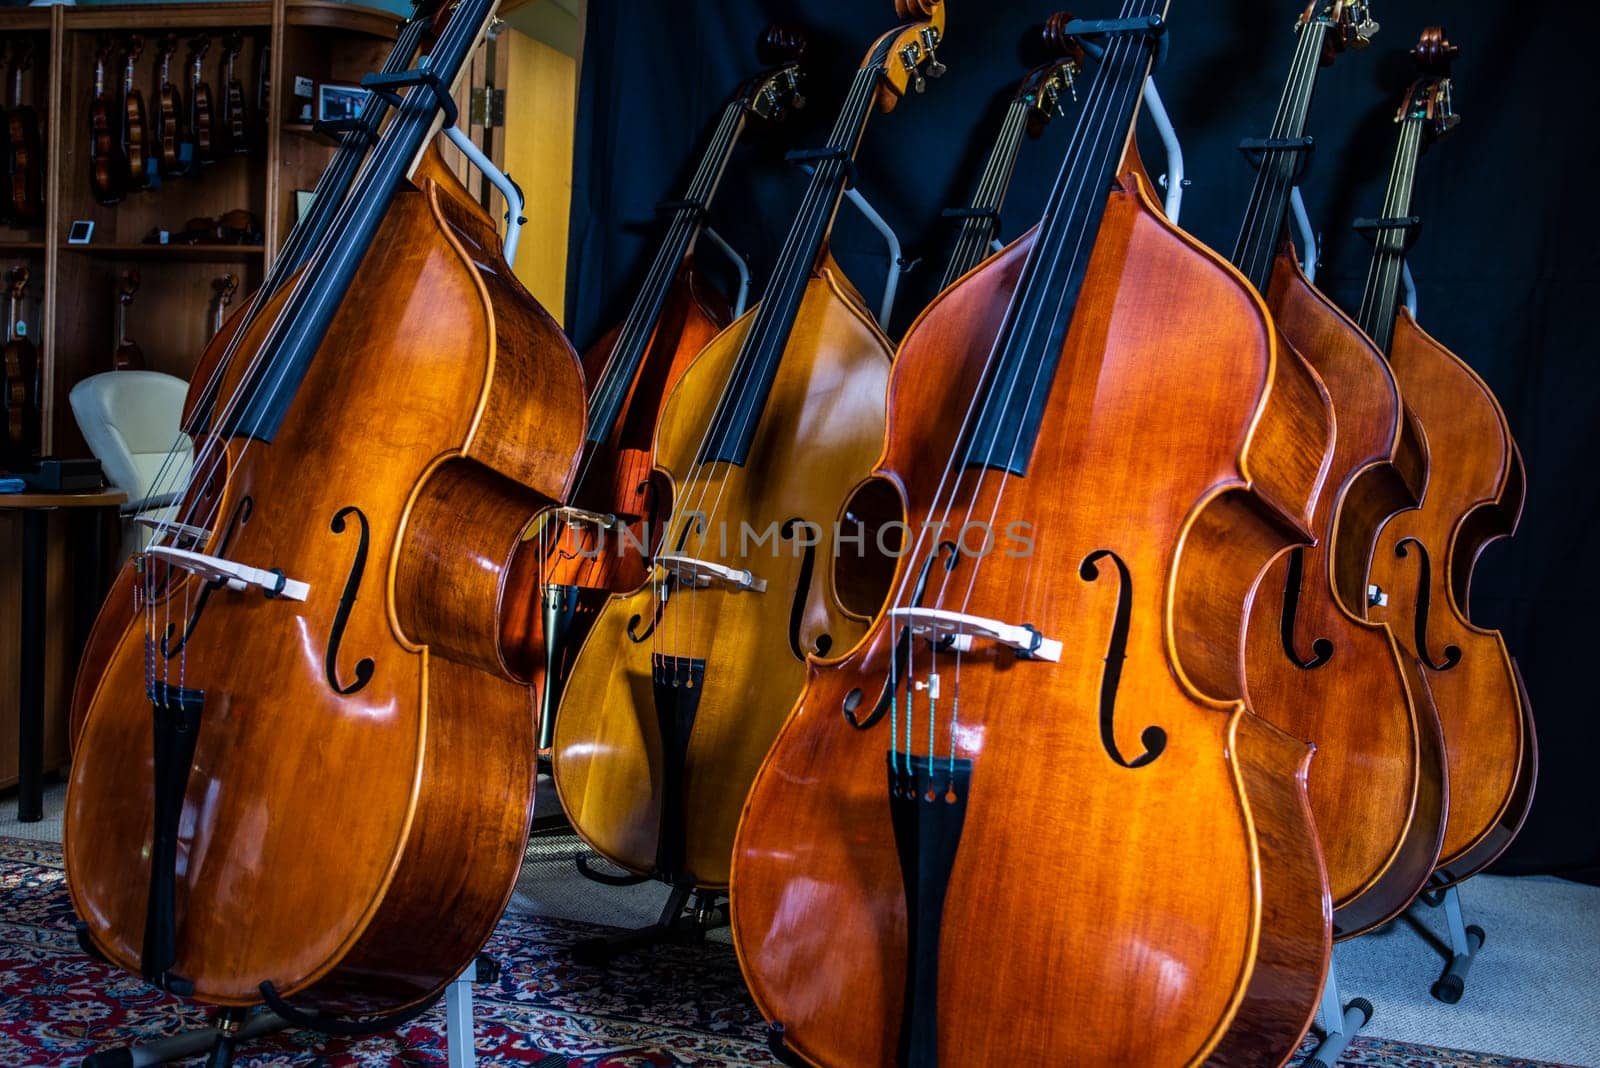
{"x":682,"y":923}
{"x":1339,"y":1023}
{"x":234,"y":1026}
{"x":1465,"y":941}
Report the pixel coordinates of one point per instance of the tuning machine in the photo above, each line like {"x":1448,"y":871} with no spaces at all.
{"x":797,"y":99}
{"x":930,"y":44}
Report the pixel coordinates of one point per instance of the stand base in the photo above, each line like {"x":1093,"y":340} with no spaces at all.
{"x":1339,"y":1023}
{"x":680,"y":925}
{"x":1465,"y":941}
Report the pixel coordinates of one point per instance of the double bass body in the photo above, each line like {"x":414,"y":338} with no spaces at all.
{"x":1179,"y":817}
{"x":366,"y":754}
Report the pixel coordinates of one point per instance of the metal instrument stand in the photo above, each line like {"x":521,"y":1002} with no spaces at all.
{"x":1465,"y":941}
{"x":1338,"y":1022}
{"x":1173,"y":180}
{"x":1311,"y":258}
{"x":740,"y":264}
{"x":897,"y":263}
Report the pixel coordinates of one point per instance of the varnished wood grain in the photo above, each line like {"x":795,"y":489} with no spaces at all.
{"x":1474,"y":495}
{"x":416,"y":789}
{"x":1097,"y":914}
{"x":1378,"y":785}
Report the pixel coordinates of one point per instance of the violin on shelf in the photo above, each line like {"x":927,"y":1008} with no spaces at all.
{"x":629,"y":372}
{"x":135,"y":129}
{"x":1422,"y":558}
{"x":261,"y":113}
{"x":1030,"y":818}
{"x":202,"y":112}
{"x":169,"y":113}
{"x":21,"y":379}
{"x":207,"y":381}
{"x":107,"y":163}
{"x":1037,"y":101}
{"x":25,"y":158}
{"x":128,"y":356}
{"x":761,"y":441}
{"x":1315,"y":666}
{"x":234,"y":136}
{"x":223,"y":288}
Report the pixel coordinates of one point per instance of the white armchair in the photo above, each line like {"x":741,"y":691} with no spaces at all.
{"x":130,"y":420}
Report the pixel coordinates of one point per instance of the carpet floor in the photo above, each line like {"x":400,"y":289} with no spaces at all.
{"x":672,"y":1007}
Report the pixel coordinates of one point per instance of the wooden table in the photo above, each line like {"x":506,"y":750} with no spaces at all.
{"x":36,"y":508}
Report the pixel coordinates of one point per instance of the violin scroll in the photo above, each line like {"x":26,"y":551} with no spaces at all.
{"x":781,"y":44}
{"x":1045,"y":85}
{"x":17,"y":281}
{"x":1350,"y":25}
{"x":909,"y":53}
{"x":1430,"y":97}
{"x":770,"y":94}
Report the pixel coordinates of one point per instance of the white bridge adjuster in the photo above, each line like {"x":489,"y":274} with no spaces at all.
{"x":938,"y":624}
{"x":698,"y":574}
{"x":234,"y":576}
{"x":579,"y":515}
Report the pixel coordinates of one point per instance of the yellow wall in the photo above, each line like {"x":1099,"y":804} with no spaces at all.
{"x":541,"y":92}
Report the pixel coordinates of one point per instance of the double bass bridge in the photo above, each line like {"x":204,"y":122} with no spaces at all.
{"x":696,"y":574}
{"x":960,"y":632}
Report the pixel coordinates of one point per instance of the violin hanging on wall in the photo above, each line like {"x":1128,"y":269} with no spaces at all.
{"x":135,"y":127}
{"x":107,"y":164}
{"x":234,"y":135}
{"x":169,"y":113}
{"x":128,"y":356}
{"x":26,"y":144}
{"x":202,"y":114}
{"x":21,"y":379}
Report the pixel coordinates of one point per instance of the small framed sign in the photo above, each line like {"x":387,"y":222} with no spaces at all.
{"x":336,"y":103}
{"x":81,"y":231}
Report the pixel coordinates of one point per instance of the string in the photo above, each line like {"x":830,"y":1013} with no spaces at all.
{"x":360,"y":213}
{"x":977,"y":231}
{"x":1043,"y":262}
{"x":1379,"y":302}
{"x":1269,"y":196}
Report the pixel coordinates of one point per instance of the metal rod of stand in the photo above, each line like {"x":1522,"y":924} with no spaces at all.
{"x":1339,"y":1023}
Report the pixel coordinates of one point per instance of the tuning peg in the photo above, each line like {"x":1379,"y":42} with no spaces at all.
{"x":930,"y":42}
{"x":911,"y":60}
{"x":796,"y":99}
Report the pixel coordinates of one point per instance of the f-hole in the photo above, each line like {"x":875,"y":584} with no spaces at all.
{"x":1452,"y":653}
{"x":634,"y":634}
{"x":1322,"y":648}
{"x":1154,"y":739}
{"x":802,"y":591}
{"x":347,"y":600}
{"x":902,"y":648}
{"x":241,"y":515}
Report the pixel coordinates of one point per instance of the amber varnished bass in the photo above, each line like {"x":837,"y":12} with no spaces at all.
{"x":972,"y":845}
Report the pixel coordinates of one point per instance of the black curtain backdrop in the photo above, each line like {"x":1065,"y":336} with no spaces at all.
{"x":1506,"y":263}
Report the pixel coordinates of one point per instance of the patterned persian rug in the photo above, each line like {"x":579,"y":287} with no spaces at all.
{"x":673,"y":1007}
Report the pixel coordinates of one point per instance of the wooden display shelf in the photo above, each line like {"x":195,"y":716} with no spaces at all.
{"x":22,"y":246}
{"x":144,"y":18}
{"x":139,"y":250}
{"x":305,"y":129}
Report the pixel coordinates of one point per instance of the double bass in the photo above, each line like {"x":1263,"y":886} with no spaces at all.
{"x":206,"y":382}
{"x":1031,"y":818}
{"x":1037,"y":101}
{"x":628,"y":373}
{"x":405,"y":409}
{"x":1314,"y":664}
{"x":1422,"y":558}
{"x":682,"y":683}
{"x":21,"y":367}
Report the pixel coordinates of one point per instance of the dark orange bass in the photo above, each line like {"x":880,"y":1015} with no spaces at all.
{"x":1030,"y":818}
{"x":1314,"y":665}
{"x":316,"y":682}
{"x":225,"y":345}
{"x":1422,"y":558}
{"x":601,"y":543}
